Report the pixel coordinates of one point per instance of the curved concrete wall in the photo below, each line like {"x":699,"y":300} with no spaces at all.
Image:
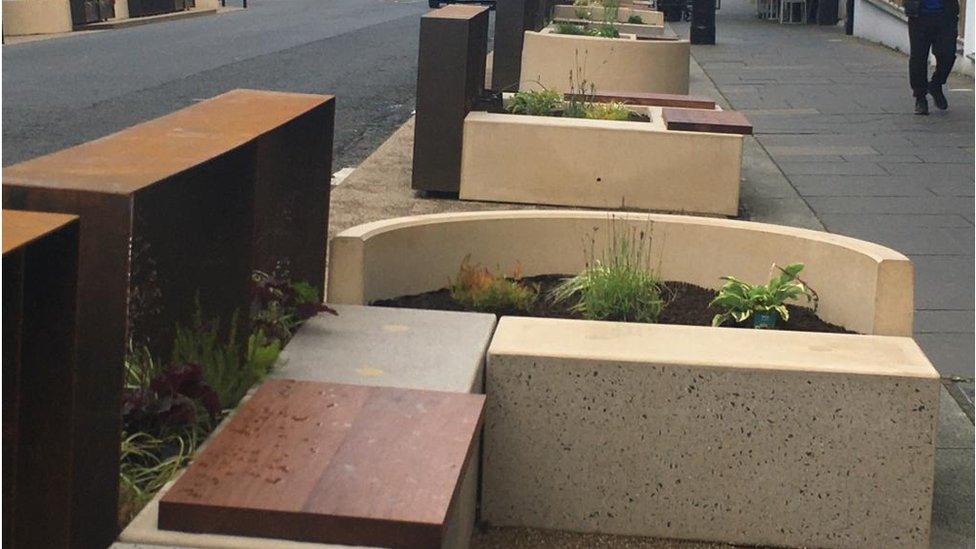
{"x":863,"y":286}
{"x":617,"y":64}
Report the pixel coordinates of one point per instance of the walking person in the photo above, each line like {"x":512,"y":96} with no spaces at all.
{"x":932,"y":24}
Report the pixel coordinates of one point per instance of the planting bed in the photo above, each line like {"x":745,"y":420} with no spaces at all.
{"x":862,"y":286}
{"x":686,"y":304}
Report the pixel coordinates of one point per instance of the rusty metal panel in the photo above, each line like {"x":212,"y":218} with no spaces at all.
{"x":294,"y":170}
{"x":168,"y":213}
{"x":40,"y":263}
{"x":450,"y":79}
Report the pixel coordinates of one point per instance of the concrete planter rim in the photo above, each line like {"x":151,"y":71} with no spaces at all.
{"x":367,"y":230}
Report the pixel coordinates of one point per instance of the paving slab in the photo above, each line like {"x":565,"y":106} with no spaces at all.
{"x":943,"y":282}
{"x":935,"y":321}
{"x":383,"y":346}
{"x":952,"y":509}
{"x":952,"y":351}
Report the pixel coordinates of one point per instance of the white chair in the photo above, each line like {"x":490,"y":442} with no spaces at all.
{"x":787,"y":12}
{"x":767,"y":9}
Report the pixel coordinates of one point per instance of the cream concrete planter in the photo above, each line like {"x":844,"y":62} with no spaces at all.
{"x":650,"y":17}
{"x":622,"y":64}
{"x":742,"y":436}
{"x":599,"y":163}
{"x":652,"y":28}
{"x":863,"y":286}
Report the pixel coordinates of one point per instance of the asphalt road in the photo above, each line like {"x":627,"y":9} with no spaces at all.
{"x":64,"y":91}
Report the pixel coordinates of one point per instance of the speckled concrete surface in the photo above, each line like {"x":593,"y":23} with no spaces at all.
{"x":389,"y":347}
{"x":577,"y":440}
{"x":488,"y":537}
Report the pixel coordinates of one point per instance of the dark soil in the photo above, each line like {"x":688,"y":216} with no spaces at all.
{"x":685,"y":304}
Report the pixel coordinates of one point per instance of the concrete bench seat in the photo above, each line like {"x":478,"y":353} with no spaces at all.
{"x":334,"y":463}
{"x":730,"y":435}
{"x":375,"y":346}
{"x":406,"y":348}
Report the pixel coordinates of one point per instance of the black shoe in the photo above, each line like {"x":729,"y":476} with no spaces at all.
{"x":938,"y":97}
{"x":921,"y":105}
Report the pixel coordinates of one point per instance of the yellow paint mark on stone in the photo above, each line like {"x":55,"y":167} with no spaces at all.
{"x":368,"y":371}
{"x":396,"y":328}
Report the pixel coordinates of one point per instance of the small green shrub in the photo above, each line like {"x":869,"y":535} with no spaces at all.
{"x":538,"y":103}
{"x":607,"y":111}
{"x":480,"y":289}
{"x":635,"y":20}
{"x":583,"y":13}
{"x":605,"y":30}
{"x":562,"y":27}
{"x":227,"y":368}
{"x":741,"y":299}
{"x":620,"y":286}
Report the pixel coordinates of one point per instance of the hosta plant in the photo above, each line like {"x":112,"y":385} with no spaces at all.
{"x":480,"y":289}
{"x":742,"y":301}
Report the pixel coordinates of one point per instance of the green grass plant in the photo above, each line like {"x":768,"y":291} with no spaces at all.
{"x":620,"y":285}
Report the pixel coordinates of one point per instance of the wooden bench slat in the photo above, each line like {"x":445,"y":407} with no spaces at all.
{"x":696,"y":120}
{"x":331,"y":463}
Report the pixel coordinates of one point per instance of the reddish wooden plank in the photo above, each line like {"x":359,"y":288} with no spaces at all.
{"x":656,"y":99}
{"x":695,"y":120}
{"x":331,"y":463}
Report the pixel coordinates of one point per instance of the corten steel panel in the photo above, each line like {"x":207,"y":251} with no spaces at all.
{"x":178,"y":193}
{"x":450,"y":78}
{"x":192,"y":242}
{"x":512,"y":19}
{"x":294,"y":164}
{"x":40,"y":261}
{"x":409,"y":450}
{"x":103,"y":286}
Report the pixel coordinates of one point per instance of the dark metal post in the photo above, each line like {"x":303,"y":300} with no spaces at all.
{"x":512,"y":19}
{"x":849,"y":18}
{"x":450,"y":80}
{"x":703,"y":22}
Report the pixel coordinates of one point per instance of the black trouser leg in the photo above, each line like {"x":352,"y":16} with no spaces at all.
{"x":920,"y":40}
{"x":944,"y":49}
